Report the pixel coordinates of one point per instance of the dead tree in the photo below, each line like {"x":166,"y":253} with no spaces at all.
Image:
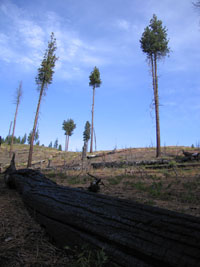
{"x":132,"y":234}
{"x":17,"y":100}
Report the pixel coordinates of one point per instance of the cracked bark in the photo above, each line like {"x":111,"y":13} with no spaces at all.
{"x":132,"y":234}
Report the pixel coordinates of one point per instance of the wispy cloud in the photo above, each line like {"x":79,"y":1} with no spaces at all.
{"x":123,"y":24}
{"x":26,"y":41}
{"x":23,"y":42}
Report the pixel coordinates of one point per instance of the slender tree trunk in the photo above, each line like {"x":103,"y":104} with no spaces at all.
{"x":13,"y":133}
{"x":9,"y":132}
{"x":95,"y":140}
{"x":92,"y":125}
{"x":86,"y":146}
{"x":153,"y":75}
{"x":156,"y":98}
{"x":18,"y":98}
{"x":66,"y":143}
{"x":34,"y":127}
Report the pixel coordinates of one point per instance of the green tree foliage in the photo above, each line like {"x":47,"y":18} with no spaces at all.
{"x":36,"y":137}
{"x":60,"y":148}
{"x":16,"y":140}
{"x":24,"y":138}
{"x":43,"y":79}
{"x":56,"y":143}
{"x":154,"y":44}
{"x":8,"y":139}
{"x":95,"y":82}
{"x":68,"y":127}
{"x":86,"y":133}
{"x":51,"y":145}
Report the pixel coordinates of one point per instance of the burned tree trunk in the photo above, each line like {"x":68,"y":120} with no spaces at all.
{"x":132,"y":234}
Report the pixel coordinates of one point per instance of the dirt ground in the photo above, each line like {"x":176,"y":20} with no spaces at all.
{"x":24,"y":243}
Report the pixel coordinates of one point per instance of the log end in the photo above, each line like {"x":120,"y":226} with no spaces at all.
{"x":7,"y":173}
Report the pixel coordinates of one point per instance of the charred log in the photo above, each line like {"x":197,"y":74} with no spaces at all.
{"x":132,"y":234}
{"x":95,"y":184}
{"x":190,"y":155}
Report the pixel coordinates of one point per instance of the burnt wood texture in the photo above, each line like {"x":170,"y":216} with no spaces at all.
{"x":131,"y":234}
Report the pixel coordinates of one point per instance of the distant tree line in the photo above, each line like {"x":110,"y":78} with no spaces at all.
{"x":56,"y":145}
{"x":16,"y":140}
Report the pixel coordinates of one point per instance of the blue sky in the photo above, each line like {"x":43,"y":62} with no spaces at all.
{"x":105,"y":34}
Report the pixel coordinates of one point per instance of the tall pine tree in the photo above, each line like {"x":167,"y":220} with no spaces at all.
{"x":154,"y":43}
{"x":43,"y":79}
{"x":95,"y":82}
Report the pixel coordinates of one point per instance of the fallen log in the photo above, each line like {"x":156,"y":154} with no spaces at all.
{"x":101,"y":154}
{"x":191,"y":155}
{"x":132,"y":234}
{"x":126,"y":163}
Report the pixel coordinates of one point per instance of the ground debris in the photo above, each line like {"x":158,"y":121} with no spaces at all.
{"x":22,"y":241}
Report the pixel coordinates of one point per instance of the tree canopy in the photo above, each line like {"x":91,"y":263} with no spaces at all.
{"x":56,"y":143}
{"x":50,"y":144}
{"x":94,"y":77}
{"x":46,"y":70}
{"x":86,"y":133}
{"x":154,"y":39}
{"x":69,"y":126}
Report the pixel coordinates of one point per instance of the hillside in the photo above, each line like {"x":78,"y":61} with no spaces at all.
{"x":172,"y":182}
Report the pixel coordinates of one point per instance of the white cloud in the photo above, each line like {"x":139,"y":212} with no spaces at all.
{"x":24,"y":41}
{"x":27,"y":38}
{"x":5,"y":53}
{"x":123,"y":24}
{"x":32,"y":34}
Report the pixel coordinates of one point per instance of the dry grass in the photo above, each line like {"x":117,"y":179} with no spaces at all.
{"x":23,"y":242}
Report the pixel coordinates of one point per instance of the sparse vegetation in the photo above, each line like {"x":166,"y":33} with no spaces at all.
{"x":153,"y":186}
